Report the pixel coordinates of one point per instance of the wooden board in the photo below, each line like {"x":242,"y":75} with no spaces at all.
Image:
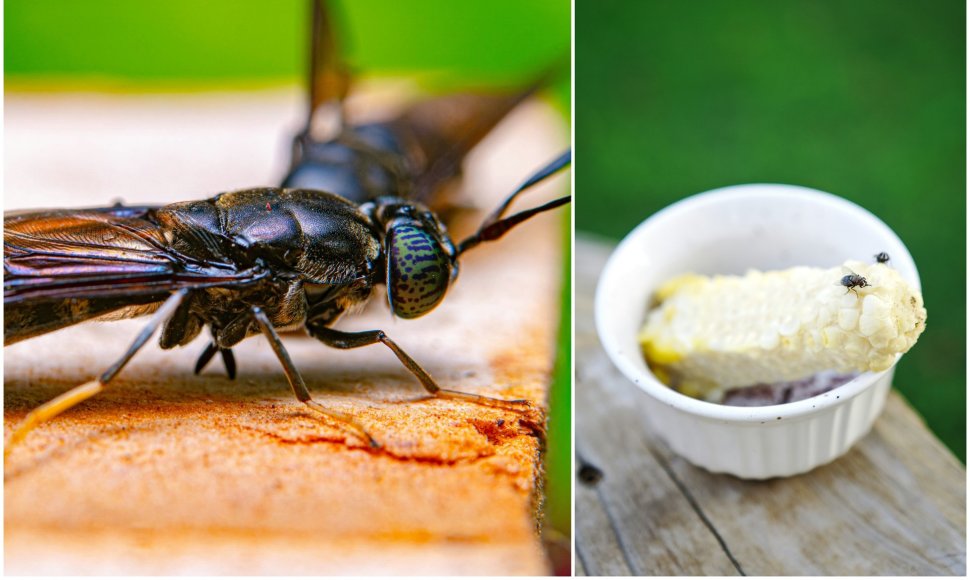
{"x":894,"y":505}
{"x":172,"y":473}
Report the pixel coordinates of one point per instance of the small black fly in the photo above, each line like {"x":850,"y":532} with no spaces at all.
{"x":853,"y":281}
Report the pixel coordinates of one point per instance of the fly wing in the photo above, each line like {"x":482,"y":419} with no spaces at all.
{"x":328,"y":83}
{"x":445,"y":129}
{"x":413,"y":155}
{"x":329,"y":75}
{"x":846,"y":273}
{"x":81,"y":253}
{"x":65,"y":266}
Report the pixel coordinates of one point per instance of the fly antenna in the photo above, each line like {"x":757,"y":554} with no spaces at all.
{"x":495,"y":226}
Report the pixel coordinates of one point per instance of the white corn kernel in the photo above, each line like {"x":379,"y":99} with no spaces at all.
{"x":712,"y":334}
{"x":848,"y":318}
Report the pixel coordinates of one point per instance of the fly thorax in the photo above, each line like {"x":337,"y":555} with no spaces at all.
{"x":318,"y":236}
{"x":192,"y":228}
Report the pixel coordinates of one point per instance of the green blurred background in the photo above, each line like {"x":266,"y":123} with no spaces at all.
{"x":188,"y":45}
{"x":865,"y":99}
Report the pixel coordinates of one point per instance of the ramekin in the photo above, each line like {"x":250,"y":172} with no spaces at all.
{"x":728,"y":231}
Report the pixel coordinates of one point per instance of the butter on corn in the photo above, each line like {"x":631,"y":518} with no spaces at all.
{"x":709,"y":334}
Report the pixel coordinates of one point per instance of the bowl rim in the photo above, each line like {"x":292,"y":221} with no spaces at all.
{"x":647,"y":382}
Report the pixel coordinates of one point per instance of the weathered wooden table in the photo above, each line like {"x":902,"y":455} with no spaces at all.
{"x":894,"y":505}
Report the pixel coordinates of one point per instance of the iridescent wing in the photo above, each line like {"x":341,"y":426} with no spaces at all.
{"x":62,"y":267}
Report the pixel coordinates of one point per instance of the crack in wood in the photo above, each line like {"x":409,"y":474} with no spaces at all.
{"x":591,"y":566}
{"x":696,"y":507}
{"x":614,"y":526}
{"x":313,"y":439}
{"x":583,"y":568}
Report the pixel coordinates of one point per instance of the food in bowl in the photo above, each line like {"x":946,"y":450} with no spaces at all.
{"x":770,"y":334}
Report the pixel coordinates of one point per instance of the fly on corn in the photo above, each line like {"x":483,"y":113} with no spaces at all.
{"x":709,"y":334}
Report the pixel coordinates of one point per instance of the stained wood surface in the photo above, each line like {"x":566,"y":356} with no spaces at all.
{"x":894,"y":505}
{"x":172,"y":473}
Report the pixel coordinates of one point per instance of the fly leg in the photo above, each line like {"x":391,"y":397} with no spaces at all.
{"x":227,"y":359}
{"x":79,"y":394}
{"x":296,"y":381}
{"x":340,"y":339}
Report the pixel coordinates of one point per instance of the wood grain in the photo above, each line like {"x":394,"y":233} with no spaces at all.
{"x":895,"y":505}
{"x":172,"y":473}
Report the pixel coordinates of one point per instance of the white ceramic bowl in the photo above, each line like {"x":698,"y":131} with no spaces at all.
{"x":728,"y":231}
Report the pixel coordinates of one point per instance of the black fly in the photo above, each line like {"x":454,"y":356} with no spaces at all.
{"x":853,"y":281}
{"x":354,"y":214}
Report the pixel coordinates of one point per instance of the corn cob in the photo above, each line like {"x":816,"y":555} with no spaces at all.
{"x":710,"y":334}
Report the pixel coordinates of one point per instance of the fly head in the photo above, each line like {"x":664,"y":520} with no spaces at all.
{"x":421,"y":259}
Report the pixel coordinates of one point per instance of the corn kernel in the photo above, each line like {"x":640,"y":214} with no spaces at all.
{"x":709,"y":334}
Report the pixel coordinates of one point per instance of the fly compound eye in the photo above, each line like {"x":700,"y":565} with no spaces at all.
{"x":418,"y":270}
